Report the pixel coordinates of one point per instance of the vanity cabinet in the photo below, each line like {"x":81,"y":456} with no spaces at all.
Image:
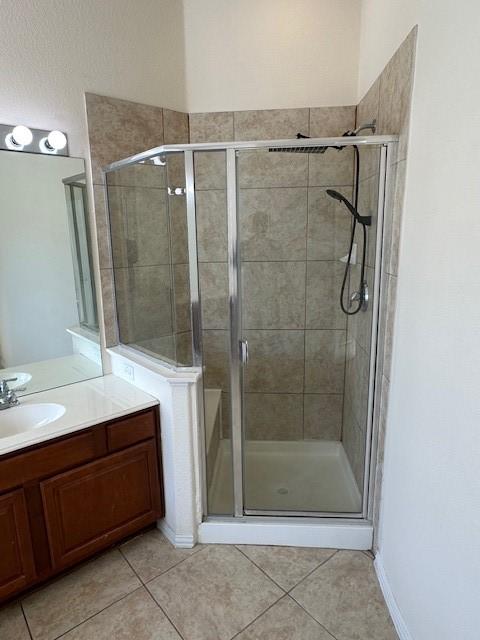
{"x":66,"y":499}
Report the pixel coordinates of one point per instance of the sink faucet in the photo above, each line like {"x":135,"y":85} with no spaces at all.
{"x":7,"y":396}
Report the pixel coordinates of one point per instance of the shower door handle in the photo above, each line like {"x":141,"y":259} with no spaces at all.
{"x":243,"y":348}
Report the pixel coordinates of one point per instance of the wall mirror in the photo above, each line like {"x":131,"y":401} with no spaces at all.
{"x":48,"y":307}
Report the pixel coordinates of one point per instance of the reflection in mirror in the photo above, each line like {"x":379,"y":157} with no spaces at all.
{"x":48,"y":310}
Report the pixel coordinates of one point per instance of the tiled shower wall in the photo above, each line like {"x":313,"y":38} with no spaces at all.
{"x":291,"y":238}
{"x":389,"y":101}
{"x":149,"y":269}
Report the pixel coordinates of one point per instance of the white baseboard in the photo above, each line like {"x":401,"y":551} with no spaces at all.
{"x":181,"y":542}
{"x":395,"y":614}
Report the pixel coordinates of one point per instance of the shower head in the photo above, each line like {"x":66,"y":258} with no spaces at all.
{"x":365,"y":220}
{"x":300,"y":136}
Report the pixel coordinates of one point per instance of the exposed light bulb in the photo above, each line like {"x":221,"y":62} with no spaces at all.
{"x":56,"y":140}
{"x":22,"y":135}
{"x":19,"y":137}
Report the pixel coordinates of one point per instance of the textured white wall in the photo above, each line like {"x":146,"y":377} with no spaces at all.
{"x":430,"y":517}
{"x":52,"y":51}
{"x":264,"y":54}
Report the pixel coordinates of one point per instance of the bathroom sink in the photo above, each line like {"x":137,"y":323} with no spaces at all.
{"x":28,"y":416}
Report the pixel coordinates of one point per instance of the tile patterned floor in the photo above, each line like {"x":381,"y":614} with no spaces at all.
{"x":147,"y":590}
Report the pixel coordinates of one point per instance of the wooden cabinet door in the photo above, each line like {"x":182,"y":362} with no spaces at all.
{"x":17,"y":568}
{"x":88,"y":508}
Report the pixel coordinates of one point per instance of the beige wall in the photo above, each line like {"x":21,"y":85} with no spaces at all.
{"x":270,"y":54}
{"x":52,"y":52}
{"x":430,"y":515}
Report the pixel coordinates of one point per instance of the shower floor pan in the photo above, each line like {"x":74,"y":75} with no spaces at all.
{"x":287,"y":476}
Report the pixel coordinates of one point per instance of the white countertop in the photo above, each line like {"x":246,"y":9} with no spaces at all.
{"x":87,"y":403}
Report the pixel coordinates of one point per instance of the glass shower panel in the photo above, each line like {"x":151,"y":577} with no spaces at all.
{"x":293,"y":242}
{"x":150,"y":257}
{"x":212,"y":251}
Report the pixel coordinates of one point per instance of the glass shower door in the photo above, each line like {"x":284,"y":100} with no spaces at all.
{"x":292,"y":242}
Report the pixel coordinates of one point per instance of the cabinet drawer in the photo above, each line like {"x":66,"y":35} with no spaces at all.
{"x":16,"y":555}
{"x":88,"y":508}
{"x":51,"y":458}
{"x":131,"y":430}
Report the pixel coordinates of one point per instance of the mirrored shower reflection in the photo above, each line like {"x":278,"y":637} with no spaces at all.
{"x":150,"y":258}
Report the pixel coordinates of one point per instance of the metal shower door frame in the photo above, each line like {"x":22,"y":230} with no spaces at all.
{"x":236,"y":365}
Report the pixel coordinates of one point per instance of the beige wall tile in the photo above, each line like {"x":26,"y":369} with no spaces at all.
{"x":138,"y":175}
{"x":213,"y":279}
{"x":271,"y":124}
{"x":211,"y":127}
{"x":275,"y":416}
{"x":333,"y":168}
{"x":181,"y":290}
{"x":140,"y":228}
{"x":356,"y":383}
{"x":276,"y":361}
{"x":322,"y":416}
{"x":216,"y":359}
{"x":175,"y":174}
{"x":387,"y":318}
{"x":367,"y":109}
{"x":324,"y":281}
{"x":102,"y":226}
{"x":109,"y":309}
{"x":353,"y":440}
{"x":329,"y":225}
{"x":177,"y":211}
{"x":273,"y":223}
{"x":331,"y":122}
{"x":396,"y":84}
{"x":261,"y":168}
{"x":324,"y":361}
{"x":118,"y":129}
{"x":211,"y":212}
{"x":273,"y":295}
{"x":360,"y":325}
{"x":210,"y":170}
{"x":175,"y":124}
{"x":183,"y":348}
{"x":393,"y":221}
{"x":144,"y":298}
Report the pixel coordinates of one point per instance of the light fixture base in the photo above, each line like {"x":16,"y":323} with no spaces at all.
{"x":35,"y":145}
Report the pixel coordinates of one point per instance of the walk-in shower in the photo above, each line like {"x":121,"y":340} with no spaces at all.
{"x":232,"y":258}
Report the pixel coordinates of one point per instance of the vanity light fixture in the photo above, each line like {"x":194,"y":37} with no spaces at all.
{"x":21,"y":138}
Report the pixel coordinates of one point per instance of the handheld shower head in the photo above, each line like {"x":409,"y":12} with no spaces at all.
{"x":365,"y":220}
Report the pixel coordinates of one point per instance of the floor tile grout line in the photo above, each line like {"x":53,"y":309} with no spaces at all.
{"x":177,"y":564}
{"x":262,"y":570}
{"x":284,"y":595}
{"x":141,"y":586}
{"x":25,"y":618}
{"x":310,"y":616}
{"x":313,"y":570}
{"x":164,"y":612}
